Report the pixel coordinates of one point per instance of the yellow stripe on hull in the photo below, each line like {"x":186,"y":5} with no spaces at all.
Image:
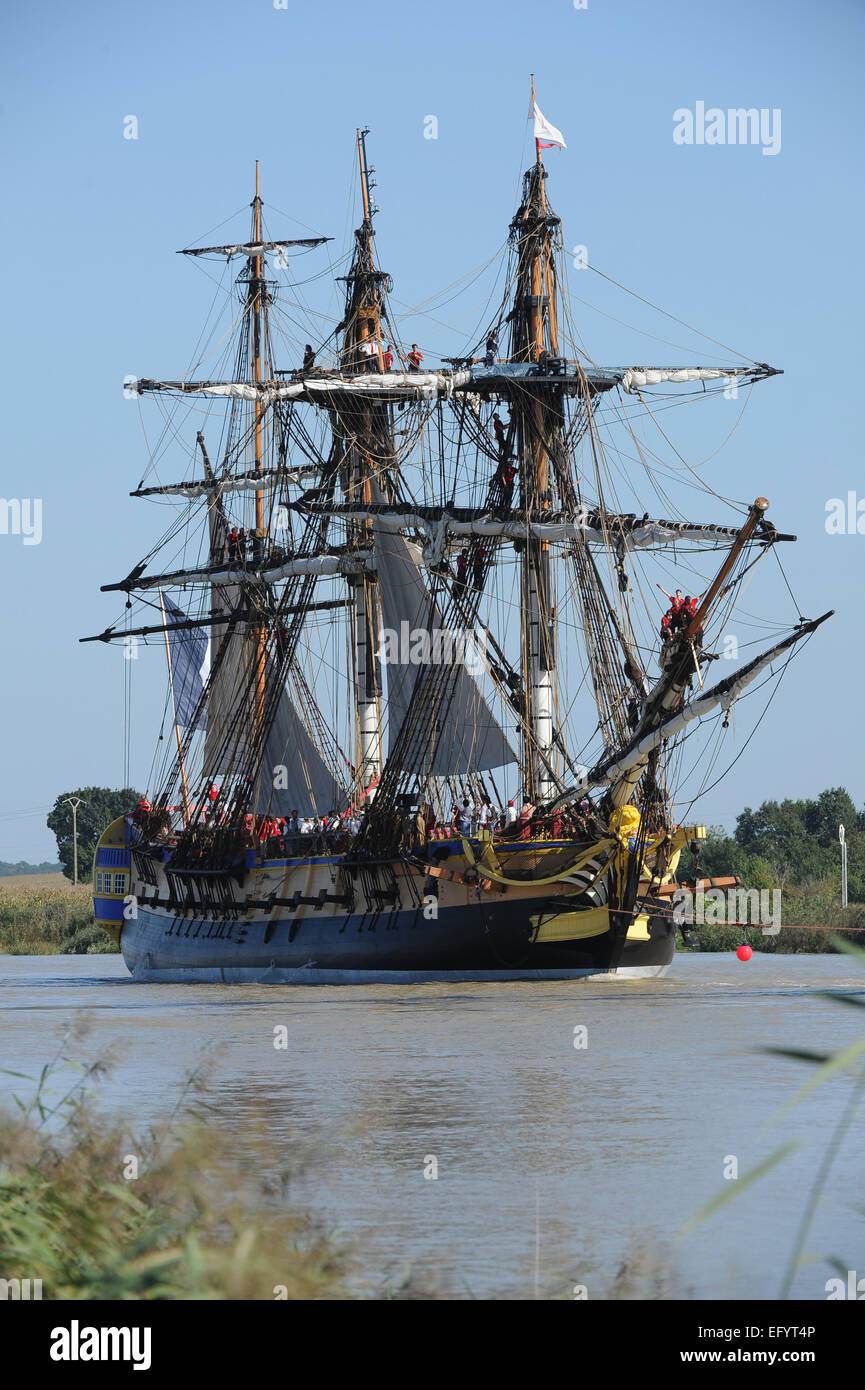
{"x":576,"y":926}
{"x":570,"y":926}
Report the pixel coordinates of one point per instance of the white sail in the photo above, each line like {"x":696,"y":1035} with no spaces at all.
{"x":472,"y":739}
{"x":293,"y":775}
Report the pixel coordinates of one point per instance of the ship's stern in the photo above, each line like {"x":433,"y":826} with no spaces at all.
{"x":112,"y":871}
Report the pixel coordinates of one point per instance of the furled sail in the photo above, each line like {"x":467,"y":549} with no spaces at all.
{"x":253,"y":481}
{"x":445,"y":382}
{"x":601,"y":527}
{"x":472,"y":739}
{"x":348,"y":562}
{"x":635,"y":377}
{"x":252,"y":248}
{"x":310,"y":388}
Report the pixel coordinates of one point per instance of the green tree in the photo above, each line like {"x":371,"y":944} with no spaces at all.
{"x":832,"y":808}
{"x":788,"y":843}
{"x":719,"y":855}
{"x":99,"y":807}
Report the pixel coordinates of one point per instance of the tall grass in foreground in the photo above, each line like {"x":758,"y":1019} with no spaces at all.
{"x":191,"y":1225}
{"x":46,"y":915}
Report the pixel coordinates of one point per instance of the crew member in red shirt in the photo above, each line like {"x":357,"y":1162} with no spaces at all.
{"x":415,"y":358}
{"x":688,"y":612}
{"x":462,"y":562}
{"x":478,"y":560}
{"x":388,"y":358}
{"x":676,"y":609}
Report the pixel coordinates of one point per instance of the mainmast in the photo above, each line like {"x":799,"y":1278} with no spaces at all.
{"x":536,"y":337}
{"x":256,"y":297}
{"x":362,"y":351}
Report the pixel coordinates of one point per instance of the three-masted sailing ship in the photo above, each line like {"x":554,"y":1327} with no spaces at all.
{"x":388,"y":612}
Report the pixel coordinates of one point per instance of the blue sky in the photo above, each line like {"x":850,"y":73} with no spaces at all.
{"x":762,"y":252}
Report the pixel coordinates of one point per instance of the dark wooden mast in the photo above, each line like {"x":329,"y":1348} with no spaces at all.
{"x":539,"y":419}
{"x":365,"y":433}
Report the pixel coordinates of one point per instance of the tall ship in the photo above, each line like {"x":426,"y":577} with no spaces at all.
{"x":427,"y":715}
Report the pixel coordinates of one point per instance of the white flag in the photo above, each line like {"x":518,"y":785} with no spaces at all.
{"x":546,"y":133}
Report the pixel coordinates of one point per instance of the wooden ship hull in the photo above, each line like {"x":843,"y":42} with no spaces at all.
{"x":332,"y":918}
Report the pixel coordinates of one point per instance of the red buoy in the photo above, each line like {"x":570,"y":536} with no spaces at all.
{"x":744,"y":952}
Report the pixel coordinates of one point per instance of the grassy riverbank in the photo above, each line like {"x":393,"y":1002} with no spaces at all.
{"x":44,"y":915}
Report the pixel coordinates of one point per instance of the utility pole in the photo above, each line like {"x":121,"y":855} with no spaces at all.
{"x":843,"y":841}
{"x":75,"y":802}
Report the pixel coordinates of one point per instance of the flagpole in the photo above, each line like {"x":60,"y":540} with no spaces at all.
{"x":537,"y":142}
{"x":538,"y":155}
{"x":183,"y":783}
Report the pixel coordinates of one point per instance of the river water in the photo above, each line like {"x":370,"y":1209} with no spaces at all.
{"x":557,"y":1165}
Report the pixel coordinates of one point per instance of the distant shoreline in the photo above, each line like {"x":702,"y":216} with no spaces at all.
{"x":23,"y":870}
